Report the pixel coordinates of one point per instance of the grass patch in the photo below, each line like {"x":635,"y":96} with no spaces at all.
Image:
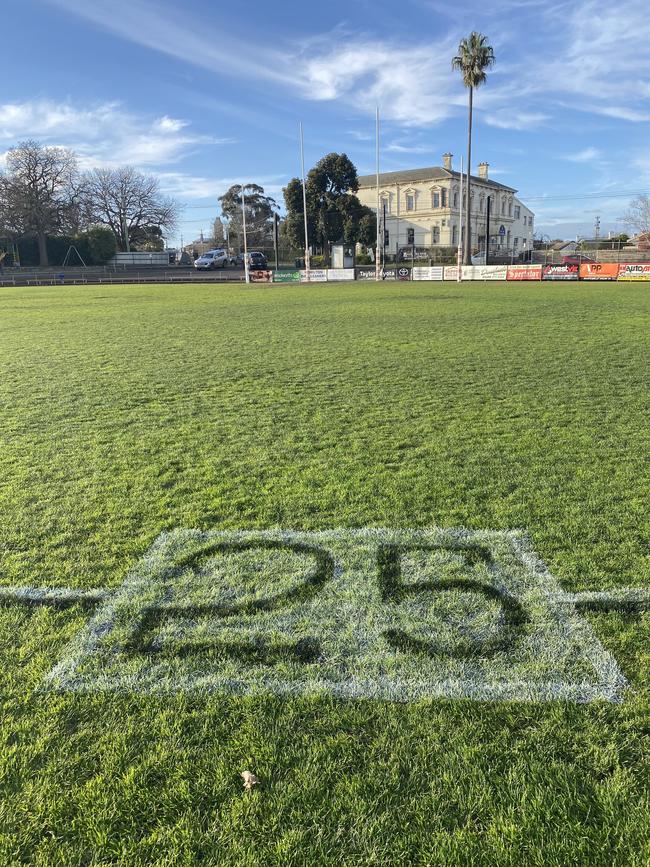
{"x":126,"y":412}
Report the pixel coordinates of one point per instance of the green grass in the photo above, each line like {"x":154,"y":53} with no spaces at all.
{"x":129,"y":411}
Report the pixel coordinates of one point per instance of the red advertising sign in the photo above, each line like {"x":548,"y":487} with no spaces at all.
{"x":598,"y":271}
{"x":634,"y":272}
{"x":261,"y":276}
{"x":560,"y":272}
{"x":524,"y":272}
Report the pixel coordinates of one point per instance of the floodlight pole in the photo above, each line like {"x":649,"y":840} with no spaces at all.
{"x":459,"y":254}
{"x":377,"y":255}
{"x":243,"y":215}
{"x":304,"y":200}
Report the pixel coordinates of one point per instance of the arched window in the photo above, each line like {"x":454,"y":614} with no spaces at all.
{"x":435,"y":197}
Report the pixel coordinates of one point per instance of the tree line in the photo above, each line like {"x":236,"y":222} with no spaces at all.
{"x":334,"y":213}
{"x":45,"y":196}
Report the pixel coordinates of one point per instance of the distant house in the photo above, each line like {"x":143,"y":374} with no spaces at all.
{"x":422,"y":208}
{"x":565,"y":247}
{"x":639,"y":242}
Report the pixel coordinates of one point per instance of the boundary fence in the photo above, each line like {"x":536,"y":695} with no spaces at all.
{"x":592,"y":271}
{"x":596,"y":271}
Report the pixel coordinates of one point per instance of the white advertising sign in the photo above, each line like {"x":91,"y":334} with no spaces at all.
{"x":431,"y":273}
{"x":316,"y":275}
{"x":485,"y":272}
{"x":340,"y":273}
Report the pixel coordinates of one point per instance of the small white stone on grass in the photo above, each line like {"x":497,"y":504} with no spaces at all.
{"x":250,"y":780}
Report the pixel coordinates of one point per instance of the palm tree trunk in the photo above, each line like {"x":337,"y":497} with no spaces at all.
{"x":467,"y":252}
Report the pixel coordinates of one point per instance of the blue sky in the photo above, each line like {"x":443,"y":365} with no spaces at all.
{"x":206,"y":94}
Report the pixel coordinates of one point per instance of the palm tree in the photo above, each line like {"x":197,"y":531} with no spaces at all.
{"x":474,"y":57}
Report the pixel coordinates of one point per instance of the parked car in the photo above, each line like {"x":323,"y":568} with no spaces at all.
{"x":257,"y":261}
{"x":576,"y":259}
{"x":212,"y":259}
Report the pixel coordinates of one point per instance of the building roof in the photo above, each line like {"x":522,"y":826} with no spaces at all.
{"x":431,"y":173}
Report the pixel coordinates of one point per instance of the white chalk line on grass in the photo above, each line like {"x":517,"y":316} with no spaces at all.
{"x":556,"y":656}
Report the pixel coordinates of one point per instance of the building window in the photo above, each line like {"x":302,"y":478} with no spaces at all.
{"x":530,"y":221}
{"x":435,"y":200}
{"x":454,"y":235}
{"x":443,"y":198}
{"x":410,"y":236}
{"x":455,"y":199}
{"x":385,"y":204}
{"x":410,"y":201}
{"x":435,"y":235}
{"x":524,"y":219}
{"x":481,"y":203}
{"x":516,"y":243}
{"x":510,"y":209}
{"x":517,"y":212}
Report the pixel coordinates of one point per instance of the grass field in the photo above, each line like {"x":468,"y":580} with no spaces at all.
{"x":130,"y":411}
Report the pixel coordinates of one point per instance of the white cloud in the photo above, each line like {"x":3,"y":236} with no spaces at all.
{"x":587,"y":155}
{"x":102,"y":135}
{"x":397,"y":147}
{"x":507,"y":118}
{"x":593,"y":59}
{"x":159,"y":27}
{"x":182,"y":185}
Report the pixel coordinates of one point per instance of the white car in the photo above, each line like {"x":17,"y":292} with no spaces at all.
{"x":212,"y":259}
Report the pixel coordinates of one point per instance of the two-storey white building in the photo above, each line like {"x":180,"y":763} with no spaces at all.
{"x":422,"y":208}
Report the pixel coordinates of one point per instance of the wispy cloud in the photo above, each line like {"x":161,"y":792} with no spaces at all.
{"x":509,"y":118}
{"x":102,"y":135}
{"x":183,"y":185}
{"x":399,"y":148}
{"x":157,"y":26}
{"x":588,"y":155}
{"x":602,"y":68}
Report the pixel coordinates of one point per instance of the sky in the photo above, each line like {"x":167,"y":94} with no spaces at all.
{"x":206,"y":94}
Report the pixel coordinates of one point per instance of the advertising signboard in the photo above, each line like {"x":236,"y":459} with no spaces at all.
{"x":560,"y":272}
{"x":598,"y":271}
{"x":261,"y":276}
{"x":435,"y":272}
{"x":485,"y":272}
{"x":634,"y":272}
{"x":524,"y":272}
{"x":403,"y":273}
{"x":316,"y":275}
{"x":286,"y":277}
{"x":340,"y":273}
{"x":366,"y":273}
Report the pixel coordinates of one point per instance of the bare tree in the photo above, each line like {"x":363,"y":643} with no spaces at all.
{"x":638,"y":215}
{"x":130,"y":204}
{"x":40,"y":193}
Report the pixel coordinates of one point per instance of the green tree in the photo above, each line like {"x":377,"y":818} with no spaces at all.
{"x":473,"y":60}
{"x":97,"y":245}
{"x":259,"y":210}
{"x":333,"y":210}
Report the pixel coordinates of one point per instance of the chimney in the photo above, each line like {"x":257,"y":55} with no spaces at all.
{"x":483,"y":170}
{"x":446,"y":160}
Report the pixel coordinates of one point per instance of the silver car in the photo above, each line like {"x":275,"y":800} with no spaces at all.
{"x":212,"y":259}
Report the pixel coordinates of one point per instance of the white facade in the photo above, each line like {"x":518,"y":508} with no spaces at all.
{"x":422,"y":207}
